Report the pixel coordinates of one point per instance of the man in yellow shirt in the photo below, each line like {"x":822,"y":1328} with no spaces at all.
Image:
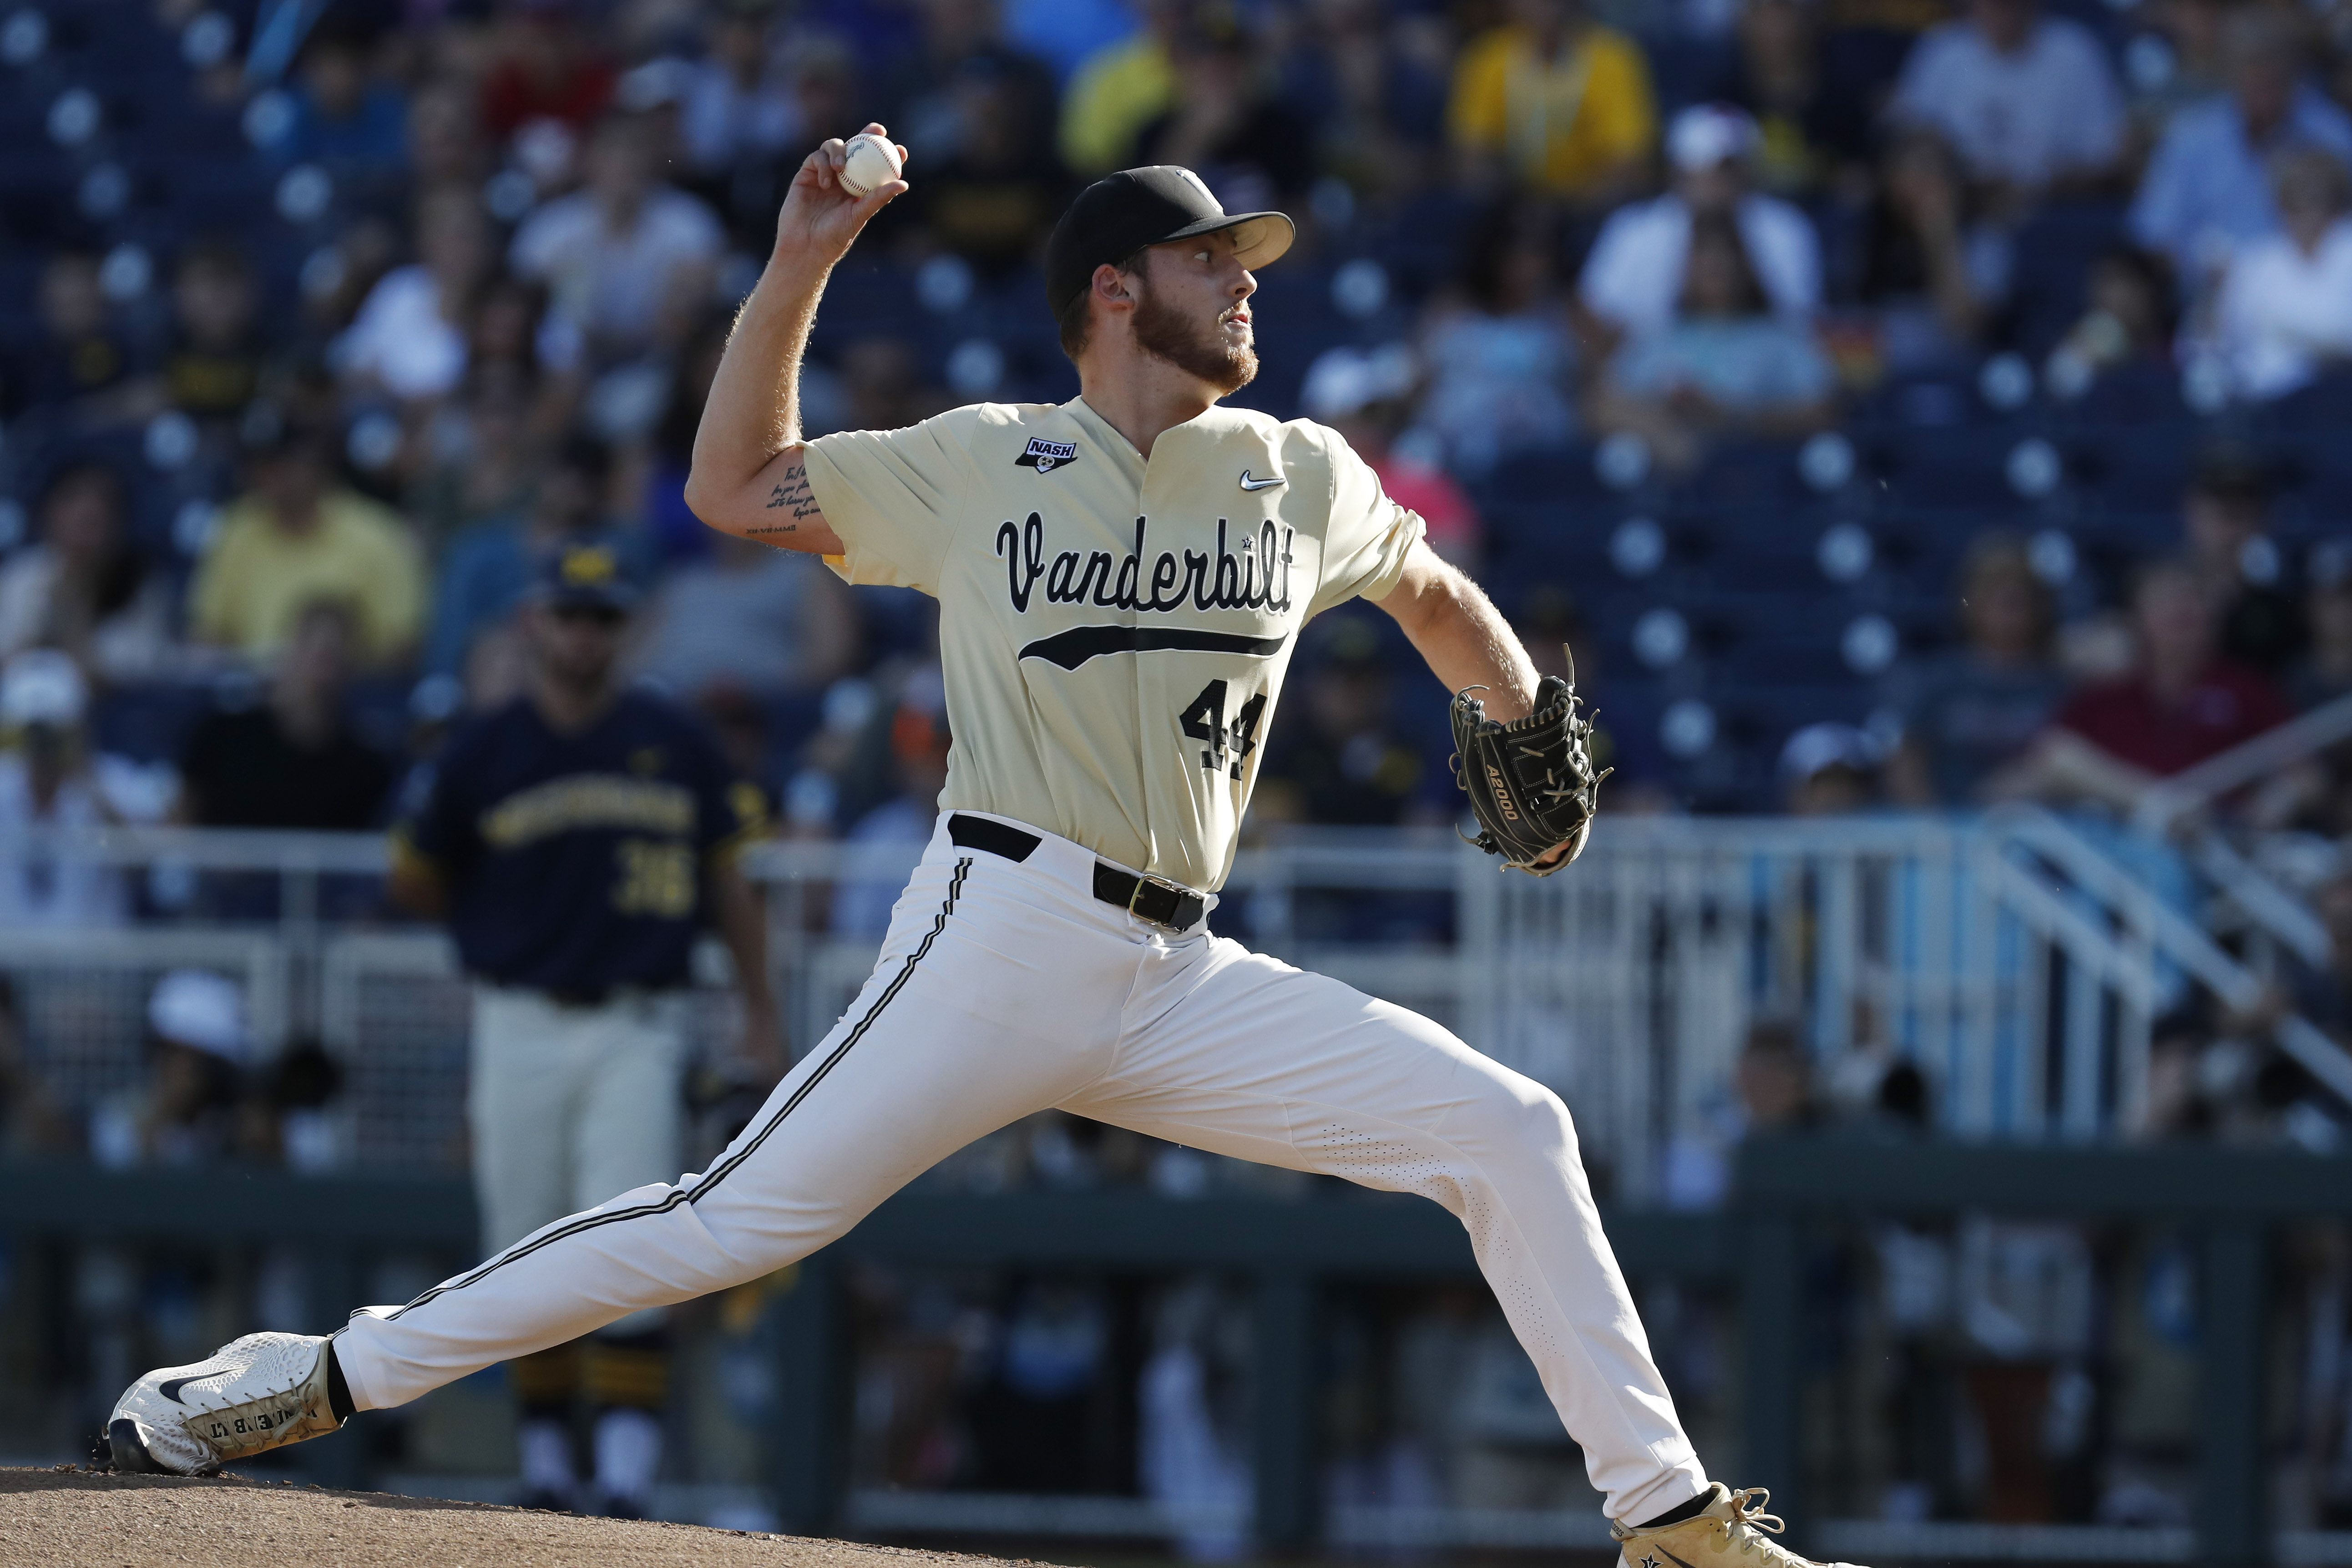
{"x":1562,"y":103}
{"x":292,"y":540}
{"x":1119,"y":90}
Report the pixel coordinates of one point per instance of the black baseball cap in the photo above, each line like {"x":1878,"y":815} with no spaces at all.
{"x":589,"y":576}
{"x":1120,"y":214}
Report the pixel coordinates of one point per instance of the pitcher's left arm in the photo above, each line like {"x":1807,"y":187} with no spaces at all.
{"x":1522,"y":742}
{"x":1452,"y":623}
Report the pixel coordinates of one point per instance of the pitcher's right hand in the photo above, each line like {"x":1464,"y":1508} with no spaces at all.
{"x":820,"y":219}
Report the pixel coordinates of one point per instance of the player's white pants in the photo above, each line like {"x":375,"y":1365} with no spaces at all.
{"x":1007,"y":988}
{"x":568,"y":1105}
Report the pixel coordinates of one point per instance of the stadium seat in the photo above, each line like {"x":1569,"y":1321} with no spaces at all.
{"x":1951,"y":471}
{"x":1421,"y":245}
{"x":1746,"y":473}
{"x":2131,"y":395}
{"x":2053,"y":253}
{"x":2323,"y":408}
{"x":1561,"y":477}
{"x":148,"y":724}
{"x":2142,"y":470}
{"x":1925,"y":400}
{"x":1758,"y":549}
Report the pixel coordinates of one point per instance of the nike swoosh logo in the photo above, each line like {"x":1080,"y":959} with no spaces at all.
{"x":170,"y":1388}
{"x":1251,"y":484}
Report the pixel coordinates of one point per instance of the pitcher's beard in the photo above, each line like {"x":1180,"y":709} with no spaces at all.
{"x":1167,"y":332}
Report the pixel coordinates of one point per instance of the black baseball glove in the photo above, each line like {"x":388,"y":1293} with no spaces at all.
{"x":1531,"y":782}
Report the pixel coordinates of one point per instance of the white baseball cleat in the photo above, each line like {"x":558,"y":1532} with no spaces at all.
{"x":258,"y":1392}
{"x":1732,"y":1531}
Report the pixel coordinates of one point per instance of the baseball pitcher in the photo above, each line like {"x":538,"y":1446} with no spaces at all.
{"x":1121,"y":581}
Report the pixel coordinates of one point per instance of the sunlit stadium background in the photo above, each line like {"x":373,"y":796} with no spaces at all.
{"x":1925,"y":420}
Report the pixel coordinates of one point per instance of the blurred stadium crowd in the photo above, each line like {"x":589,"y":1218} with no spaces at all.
{"x":1847,"y":378}
{"x":1895,"y":403}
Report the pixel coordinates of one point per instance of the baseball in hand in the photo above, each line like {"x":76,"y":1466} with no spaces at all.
{"x":871,"y":161}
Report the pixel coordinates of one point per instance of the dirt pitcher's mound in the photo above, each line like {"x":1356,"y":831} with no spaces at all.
{"x":74,"y":1517}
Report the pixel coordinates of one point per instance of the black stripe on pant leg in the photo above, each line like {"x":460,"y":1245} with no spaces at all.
{"x":955,"y":891}
{"x":720,"y":1173}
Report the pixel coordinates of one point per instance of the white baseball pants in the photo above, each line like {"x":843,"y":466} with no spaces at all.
{"x":569,"y":1105}
{"x":1004,"y":988}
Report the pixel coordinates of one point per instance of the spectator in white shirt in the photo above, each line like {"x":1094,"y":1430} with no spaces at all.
{"x":2284,"y":311}
{"x":2028,"y":102}
{"x":2207,"y":191}
{"x":409,"y":337}
{"x":1501,"y":352}
{"x":84,"y":587}
{"x":1725,"y":365}
{"x":49,"y":789}
{"x":1634,"y":275}
{"x":627,"y":259}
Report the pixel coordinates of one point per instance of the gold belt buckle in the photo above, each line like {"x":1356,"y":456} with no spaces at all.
{"x":1176,"y":889}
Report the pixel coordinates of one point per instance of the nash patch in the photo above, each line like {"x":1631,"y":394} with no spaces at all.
{"x":1047,"y":455}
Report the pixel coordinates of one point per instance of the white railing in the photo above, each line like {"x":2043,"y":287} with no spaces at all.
{"x":2181,"y":808}
{"x":2193,"y":789}
{"x":2267,"y":906}
{"x":2015,"y":959}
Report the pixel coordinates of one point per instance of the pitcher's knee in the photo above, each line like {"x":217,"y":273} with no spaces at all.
{"x":1518,"y":1113}
{"x":747,"y":1253}
{"x":754,"y":1241}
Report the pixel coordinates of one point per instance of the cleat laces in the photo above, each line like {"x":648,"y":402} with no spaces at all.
{"x":1747,"y":1509}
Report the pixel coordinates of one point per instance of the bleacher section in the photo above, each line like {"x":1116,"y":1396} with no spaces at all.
{"x":1797,"y":574}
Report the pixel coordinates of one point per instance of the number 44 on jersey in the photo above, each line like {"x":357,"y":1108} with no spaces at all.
{"x":1204,"y":720}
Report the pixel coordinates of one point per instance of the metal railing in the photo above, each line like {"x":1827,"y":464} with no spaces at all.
{"x":2181,"y":808}
{"x":1788,"y":1195}
{"x":2194,"y":789}
{"x":2020,"y":959}
{"x":2016,"y":959}
{"x":2146,"y":932}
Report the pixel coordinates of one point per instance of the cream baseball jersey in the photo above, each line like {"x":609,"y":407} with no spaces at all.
{"x":1113,"y":631}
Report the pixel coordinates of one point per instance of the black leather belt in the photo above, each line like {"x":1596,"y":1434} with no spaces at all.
{"x":1170,"y":905}
{"x":1155,"y":900}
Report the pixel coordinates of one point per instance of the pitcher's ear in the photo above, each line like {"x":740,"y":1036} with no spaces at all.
{"x":1110,"y":284}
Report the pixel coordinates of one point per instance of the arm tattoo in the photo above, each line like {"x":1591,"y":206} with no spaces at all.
{"x":795,"y":494}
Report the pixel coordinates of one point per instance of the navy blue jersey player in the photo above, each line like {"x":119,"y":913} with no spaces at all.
{"x":577,"y":841}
